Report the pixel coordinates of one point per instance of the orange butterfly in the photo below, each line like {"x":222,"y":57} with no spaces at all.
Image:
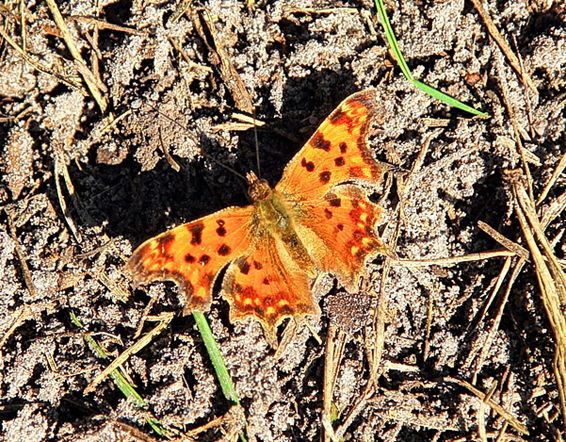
{"x":316,"y":219}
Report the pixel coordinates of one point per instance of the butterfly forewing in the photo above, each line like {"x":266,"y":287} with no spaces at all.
{"x":192,"y":254}
{"x":336,"y":153}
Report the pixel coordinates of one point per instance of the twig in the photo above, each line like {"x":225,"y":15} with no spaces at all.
{"x":101,"y":24}
{"x":164,"y":319}
{"x":513,"y":421}
{"x":505,"y":242}
{"x":21,"y":257}
{"x":451,"y":261}
{"x":496,"y":35}
{"x":555,"y":175}
{"x":86,"y":73}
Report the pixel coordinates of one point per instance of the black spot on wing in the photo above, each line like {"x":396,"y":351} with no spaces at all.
{"x":196,"y":233}
{"x":325,"y":176}
{"x":224,"y":250}
{"x":165,"y":242}
{"x":340,"y":118}
{"x":319,"y":142}
{"x":335,"y":202}
{"x":244,"y":267}
{"x":309,"y":165}
{"x":220,"y":230}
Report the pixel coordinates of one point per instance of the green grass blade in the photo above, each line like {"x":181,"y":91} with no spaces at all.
{"x":222,"y":374}
{"x":392,"y":41}
{"x":220,"y":369}
{"x":120,"y":380}
{"x":435,"y":93}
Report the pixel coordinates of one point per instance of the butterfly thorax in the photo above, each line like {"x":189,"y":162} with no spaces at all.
{"x":269,"y":207}
{"x":258,"y":189}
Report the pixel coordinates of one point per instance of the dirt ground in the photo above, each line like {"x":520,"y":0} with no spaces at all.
{"x":120,"y":137}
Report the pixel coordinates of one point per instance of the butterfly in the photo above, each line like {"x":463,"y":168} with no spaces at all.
{"x":317,"y":219}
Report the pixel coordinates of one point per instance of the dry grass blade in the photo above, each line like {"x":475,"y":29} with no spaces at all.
{"x":221,"y":59}
{"x":509,"y":54}
{"x":333,"y":353}
{"x":486,"y":344}
{"x":16,"y":117}
{"x":551,"y":279}
{"x":86,"y":73}
{"x":554,"y":209}
{"x":513,"y":421}
{"x":537,"y":228}
{"x":119,"y":292}
{"x":358,"y":408}
{"x":21,"y":257}
{"x":515,"y":124}
{"x":132,"y":432}
{"x":21,"y":315}
{"x":61,"y":172}
{"x":557,"y":172}
{"x":375,"y":348}
{"x":163,"y":319}
{"x":192,"y":65}
{"x":101,"y":24}
{"x":418,"y":163}
{"x":112,"y":122}
{"x":479,"y":256}
{"x":245,"y":122}
{"x":168,"y":157}
{"x":231,"y":422}
{"x":290,"y":10}
{"x":505,"y":242}
{"x":375,"y":345}
{"x":22,"y":53}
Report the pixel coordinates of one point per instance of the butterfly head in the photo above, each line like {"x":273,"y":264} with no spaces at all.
{"x":258,"y":189}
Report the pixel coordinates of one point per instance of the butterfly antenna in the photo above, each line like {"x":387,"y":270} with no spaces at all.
{"x":256,"y":147}
{"x":201,"y":151}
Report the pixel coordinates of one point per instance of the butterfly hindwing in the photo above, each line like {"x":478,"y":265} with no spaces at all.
{"x":268,"y":285}
{"x":193,"y":254}
{"x":342,"y":224}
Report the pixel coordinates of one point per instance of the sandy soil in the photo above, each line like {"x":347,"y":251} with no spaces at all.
{"x":79,"y":191}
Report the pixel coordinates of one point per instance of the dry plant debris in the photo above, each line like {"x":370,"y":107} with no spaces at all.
{"x":114,"y":117}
